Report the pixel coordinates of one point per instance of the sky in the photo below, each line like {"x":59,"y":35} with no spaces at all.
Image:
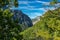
{"x":34,"y":8}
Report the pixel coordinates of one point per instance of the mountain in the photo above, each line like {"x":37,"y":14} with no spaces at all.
{"x":35,"y":20}
{"x":48,"y":28}
{"x":22,"y":18}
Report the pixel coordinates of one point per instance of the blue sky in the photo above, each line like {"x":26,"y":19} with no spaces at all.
{"x":33,"y":8}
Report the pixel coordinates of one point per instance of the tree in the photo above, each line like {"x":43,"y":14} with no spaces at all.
{"x":9,"y":29}
{"x":48,"y":28}
{"x":8,"y":2}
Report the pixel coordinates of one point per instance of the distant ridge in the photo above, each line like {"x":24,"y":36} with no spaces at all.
{"x":35,"y":20}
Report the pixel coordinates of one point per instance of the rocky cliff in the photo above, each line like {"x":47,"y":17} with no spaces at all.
{"x":22,"y":18}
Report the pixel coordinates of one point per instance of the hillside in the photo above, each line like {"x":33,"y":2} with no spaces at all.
{"x":16,"y":24}
{"x":48,"y":28}
{"x":35,"y":20}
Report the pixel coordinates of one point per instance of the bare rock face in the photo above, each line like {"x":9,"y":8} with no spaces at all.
{"x":22,"y":18}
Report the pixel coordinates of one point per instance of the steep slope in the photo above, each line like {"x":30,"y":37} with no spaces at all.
{"x":35,"y":20}
{"x":22,"y":18}
{"x":48,"y":28}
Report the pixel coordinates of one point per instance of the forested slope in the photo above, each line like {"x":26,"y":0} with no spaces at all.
{"x":48,"y":28}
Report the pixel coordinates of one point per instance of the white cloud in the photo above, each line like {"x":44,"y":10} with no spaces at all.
{"x":38,"y":14}
{"x":23,"y":2}
{"x":36,"y":9}
{"x":27,"y":2}
{"x":28,"y":7}
{"x":52,"y":8}
{"x":57,"y":5}
{"x":35,"y":15}
{"x":45,"y":3}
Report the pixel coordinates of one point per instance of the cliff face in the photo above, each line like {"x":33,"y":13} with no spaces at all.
{"x":22,"y":18}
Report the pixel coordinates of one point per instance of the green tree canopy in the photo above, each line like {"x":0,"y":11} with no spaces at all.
{"x":9,"y":29}
{"x":48,"y":28}
{"x":8,"y":2}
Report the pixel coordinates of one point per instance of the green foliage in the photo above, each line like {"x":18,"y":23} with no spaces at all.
{"x":9,"y":29}
{"x":7,"y":2}
{"x":48,"y":28}
{"x":54,"y":2}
